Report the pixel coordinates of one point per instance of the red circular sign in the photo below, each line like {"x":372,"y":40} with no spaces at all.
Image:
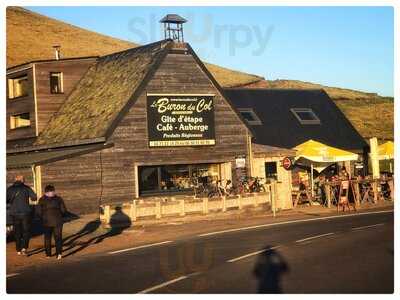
{"x":286,"y":163}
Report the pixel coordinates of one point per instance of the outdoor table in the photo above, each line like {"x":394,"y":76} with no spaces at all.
{"x":355,"y":185}
{"x":331,"y":189}
{"x":335,"y":192}
{"x":365,"y":190}
{"x":298,"y":194}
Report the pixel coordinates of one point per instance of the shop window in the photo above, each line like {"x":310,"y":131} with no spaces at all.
{"x":250,"y":116}
{"x":18,"y":87}
{"x":56,"y":82}
{"x":305,"y":116}
{"x":174,"y":178}
{"x":20,"y":120}
{"x":271,"y":170}
{"x":148,"y":178}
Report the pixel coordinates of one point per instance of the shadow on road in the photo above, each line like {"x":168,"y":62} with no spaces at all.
{"x":268,"y":270}
{"x":37,"y":227}
{"x":72,"y":243}
{"x":118,"y":222}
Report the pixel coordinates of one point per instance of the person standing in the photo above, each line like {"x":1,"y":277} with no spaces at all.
{"x":51,"y":210}
{"x":18,"y":196}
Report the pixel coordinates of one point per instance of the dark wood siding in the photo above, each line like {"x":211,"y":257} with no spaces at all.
{"x":77,"y":180}
{"x":48,"y":103}
{"x":108,"y":176}
{"x":25,"y":104}
{"x":177,"y":74}
{"x":26,"y":172}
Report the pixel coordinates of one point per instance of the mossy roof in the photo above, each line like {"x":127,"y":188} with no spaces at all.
{"x":101,"y":95}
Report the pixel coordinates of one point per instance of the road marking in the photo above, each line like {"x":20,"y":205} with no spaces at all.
{"x":139,"y":247}
{"x":161,"y":285}
{"x":252,"y":254}
{"x":153,"y":288}
{"x":314,"y":237}
{"x":291,"y":222}
{"x":12,"y":275}
{"x":368,"y":226}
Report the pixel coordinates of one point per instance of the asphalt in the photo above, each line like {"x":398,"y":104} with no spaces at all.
{"x":325,"y":255}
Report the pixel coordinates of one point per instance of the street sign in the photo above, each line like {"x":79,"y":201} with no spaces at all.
{"x":287,"y":163}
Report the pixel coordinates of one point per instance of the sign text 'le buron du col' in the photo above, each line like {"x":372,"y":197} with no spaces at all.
{"x":180,"y":120}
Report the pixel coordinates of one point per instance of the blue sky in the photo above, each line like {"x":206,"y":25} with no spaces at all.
{"x":348,"y":47}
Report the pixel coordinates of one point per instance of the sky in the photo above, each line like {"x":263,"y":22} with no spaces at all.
{"x":348,"y":47}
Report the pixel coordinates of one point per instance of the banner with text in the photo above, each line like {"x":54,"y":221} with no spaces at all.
{"x":180,"y":120}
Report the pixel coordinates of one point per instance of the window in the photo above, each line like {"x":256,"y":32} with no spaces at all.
{"x":18,"y":87}
{"x":56,"y":82}
{"x":305,"y":116}
{"x":250,"y":116}
{"x":174,"y":178}
{"x":270,"y":170}
{"x":20,"y":120}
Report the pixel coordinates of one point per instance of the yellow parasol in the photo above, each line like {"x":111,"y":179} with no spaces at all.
{"x":318,"y":152}
{"x":386,"y":151}
{"x":321,"y":156}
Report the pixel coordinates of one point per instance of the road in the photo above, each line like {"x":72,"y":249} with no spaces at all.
{"x":351,"y":254}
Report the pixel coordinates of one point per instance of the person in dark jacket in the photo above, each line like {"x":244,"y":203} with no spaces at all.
{"x":51,"y":210}
{"x":18,"y":196}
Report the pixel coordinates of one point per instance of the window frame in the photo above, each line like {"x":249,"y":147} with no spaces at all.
{"x":297,"y":110}
{"x":275,"y":175}
{"x":160,"y":189}
{"x":11,"y":86}
{"x":256,"y":121}
{"x":13,"y":121}
{"x":61,"y":83}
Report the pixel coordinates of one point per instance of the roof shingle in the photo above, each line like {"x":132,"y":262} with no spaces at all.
{"x":101,"y":94}
{"x":280,"y":128}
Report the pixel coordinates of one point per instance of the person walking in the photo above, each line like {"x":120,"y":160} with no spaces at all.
{"x":51,"y":210}
{"x":18,"y":196}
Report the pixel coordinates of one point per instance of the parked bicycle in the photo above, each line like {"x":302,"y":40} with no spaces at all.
{"x":256,"y":186}
{"x":203,"y":187}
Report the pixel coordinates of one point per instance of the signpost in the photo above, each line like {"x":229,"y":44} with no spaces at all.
{"x":180,"y":120}
{"x":287,"y":163}
{"x":240,"y":167}
{"x":240,"y":162}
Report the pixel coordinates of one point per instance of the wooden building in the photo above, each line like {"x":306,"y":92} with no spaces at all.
{"x":35,"y":91}
{"x":126,"y":125}
{"x":145,"y":121}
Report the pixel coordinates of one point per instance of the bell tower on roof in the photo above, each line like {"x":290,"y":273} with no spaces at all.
{"x":173,"y":27}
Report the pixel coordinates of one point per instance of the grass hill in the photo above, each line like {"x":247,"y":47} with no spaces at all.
{"x":30,"y":36}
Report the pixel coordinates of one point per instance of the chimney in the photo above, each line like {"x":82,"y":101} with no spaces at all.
{"x":57,"y":51}
{"x":173,"y":27}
